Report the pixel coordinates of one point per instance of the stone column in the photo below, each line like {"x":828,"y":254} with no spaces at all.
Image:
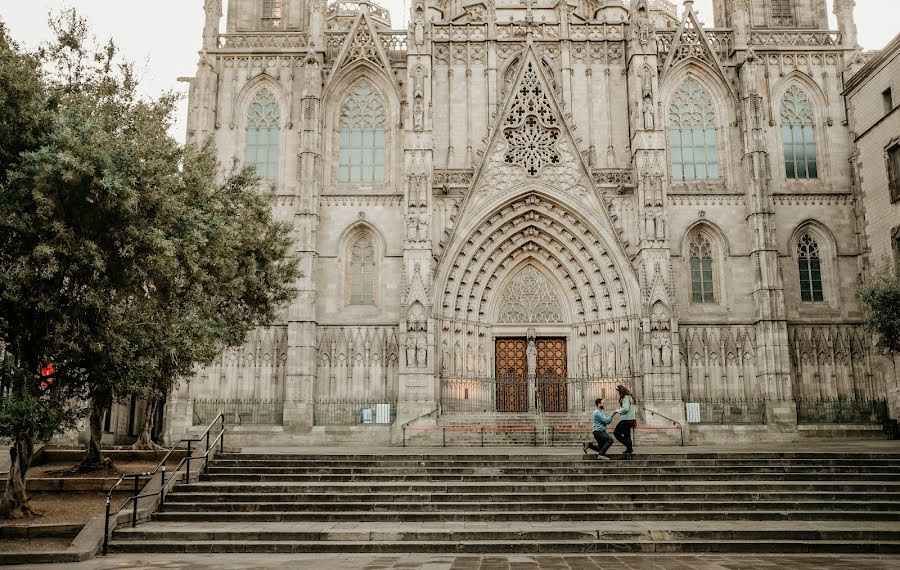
{"x":418,"y":377}
{"x":657,"y":354}
{"x":774,"y":368}
{"x":302,"y":318}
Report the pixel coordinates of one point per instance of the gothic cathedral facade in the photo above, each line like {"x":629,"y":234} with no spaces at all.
{"x":512,"y":206}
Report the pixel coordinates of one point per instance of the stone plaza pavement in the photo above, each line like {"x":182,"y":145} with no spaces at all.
{"x":471,"y":562}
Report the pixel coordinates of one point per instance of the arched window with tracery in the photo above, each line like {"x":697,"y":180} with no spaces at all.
{"x":362,"y":271}
{"x":810,"y":265}
{"x":362,"y":136}
{"x":692,"y":134}
{"x":798,"y":135}
{"x":263,"y":133}
{"x":702,"y":290}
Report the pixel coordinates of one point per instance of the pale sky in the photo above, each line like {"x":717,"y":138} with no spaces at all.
{"x":163,"y":36}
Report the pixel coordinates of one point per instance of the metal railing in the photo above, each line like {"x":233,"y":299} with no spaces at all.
{"x":353,"y":412}
{"x":842,"y":411}
{"x":727,"y":412}
{"x":239,"y":412}
{"x":514,"y":394}
{"x":185,"y":462}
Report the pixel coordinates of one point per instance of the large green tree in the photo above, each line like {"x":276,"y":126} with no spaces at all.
{"x":880,"y":293}
{"x":126,"y":258}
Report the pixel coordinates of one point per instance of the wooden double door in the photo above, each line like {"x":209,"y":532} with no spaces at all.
{"x":549,"y":383}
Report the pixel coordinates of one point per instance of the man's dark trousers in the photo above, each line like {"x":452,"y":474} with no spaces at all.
{"x":604,"y":442}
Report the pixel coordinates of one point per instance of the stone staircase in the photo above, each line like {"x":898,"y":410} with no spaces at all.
{"x":513,"y":429}
{"x":502,"y":502}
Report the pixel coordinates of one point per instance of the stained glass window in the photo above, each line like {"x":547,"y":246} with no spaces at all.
{"x":701,"y":270}
{"x":362,"y":272}
{"x":798,"y":135}
{"x":263,"y":133}
{"x":810,"y":270}
{"x":692,"y":134}
{"x":362,"y":132}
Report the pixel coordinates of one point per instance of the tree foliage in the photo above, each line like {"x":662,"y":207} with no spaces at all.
{"x":881,"y":295}
{"x":125,"y":258}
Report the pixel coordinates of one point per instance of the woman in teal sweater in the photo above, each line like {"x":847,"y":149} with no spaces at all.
{"x":626,"y":412}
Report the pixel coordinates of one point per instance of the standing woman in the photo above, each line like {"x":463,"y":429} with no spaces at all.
{"x":626,"y":412}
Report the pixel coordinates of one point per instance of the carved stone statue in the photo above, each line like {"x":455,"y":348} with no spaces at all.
{"x":611,"y":360}
{"x":410,"y":350}
{"x":648,"y":114}
{"x":445,"y":358}
{"x":418,"y":113}
{"x":531,"y":358}
{"x":421,"y":349}
{"x":583,"y":362}
{"x":626,"y":358}
{"x":650,"y":226}
{"x":666,"y":351}
{"x":661,"y":226}
{"x":655,"y":349}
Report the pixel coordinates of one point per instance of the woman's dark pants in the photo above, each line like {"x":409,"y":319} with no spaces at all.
{"x":623,"y":434}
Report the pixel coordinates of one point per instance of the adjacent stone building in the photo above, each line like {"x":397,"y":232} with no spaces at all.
{"x":510,"y":207}
{"x":872,"y":93}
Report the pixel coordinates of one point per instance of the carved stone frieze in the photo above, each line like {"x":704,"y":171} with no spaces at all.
{"x":359,"y":363}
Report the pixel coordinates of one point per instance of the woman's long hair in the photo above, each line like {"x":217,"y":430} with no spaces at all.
{"x":623,"y":391}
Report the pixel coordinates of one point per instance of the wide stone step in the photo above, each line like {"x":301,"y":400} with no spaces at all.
{"x":612,"y":476}
{"x":507,"y":546}
{"x":209,"y":533}
{"x":474,"y":497}
{"x":596,"y":468}
{"x":526,"y":487}
{"x":530,"y":516}
{"x":532,"y":506}
{"x":580,"y":461}
{"x":538,"y":457}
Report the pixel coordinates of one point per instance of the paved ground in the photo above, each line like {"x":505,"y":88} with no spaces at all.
{"x":446,"y":562}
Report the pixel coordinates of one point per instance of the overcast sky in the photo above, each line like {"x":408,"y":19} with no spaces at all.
{"x":163,"y":36}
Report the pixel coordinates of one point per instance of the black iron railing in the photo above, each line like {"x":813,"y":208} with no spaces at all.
{"x":727,"y":412}
{"x":353,"y":413}
{"x":212,"y":446}
{"x":842,"y":411}
{"x":522,"y":394}
{"x":239,"y":412}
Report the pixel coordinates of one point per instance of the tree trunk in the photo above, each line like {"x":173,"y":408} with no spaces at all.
{"x":148,"y":427}
{"x":93,"y":455}
{"x":14,"y":503}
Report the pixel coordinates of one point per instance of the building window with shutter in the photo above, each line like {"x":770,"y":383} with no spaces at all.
{"x":271,"y":17}
{"x":893,"y":156}
{"x":782,"y":12}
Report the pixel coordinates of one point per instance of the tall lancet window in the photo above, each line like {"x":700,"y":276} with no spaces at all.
{"x":362,"y":140}
{"x":797,"y":134}
{"x":263,"y":133}
{"x":362,"y":271}
{"x":810,"y":270}
{"x":701,"y":270}
{"x":692,"y":134}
